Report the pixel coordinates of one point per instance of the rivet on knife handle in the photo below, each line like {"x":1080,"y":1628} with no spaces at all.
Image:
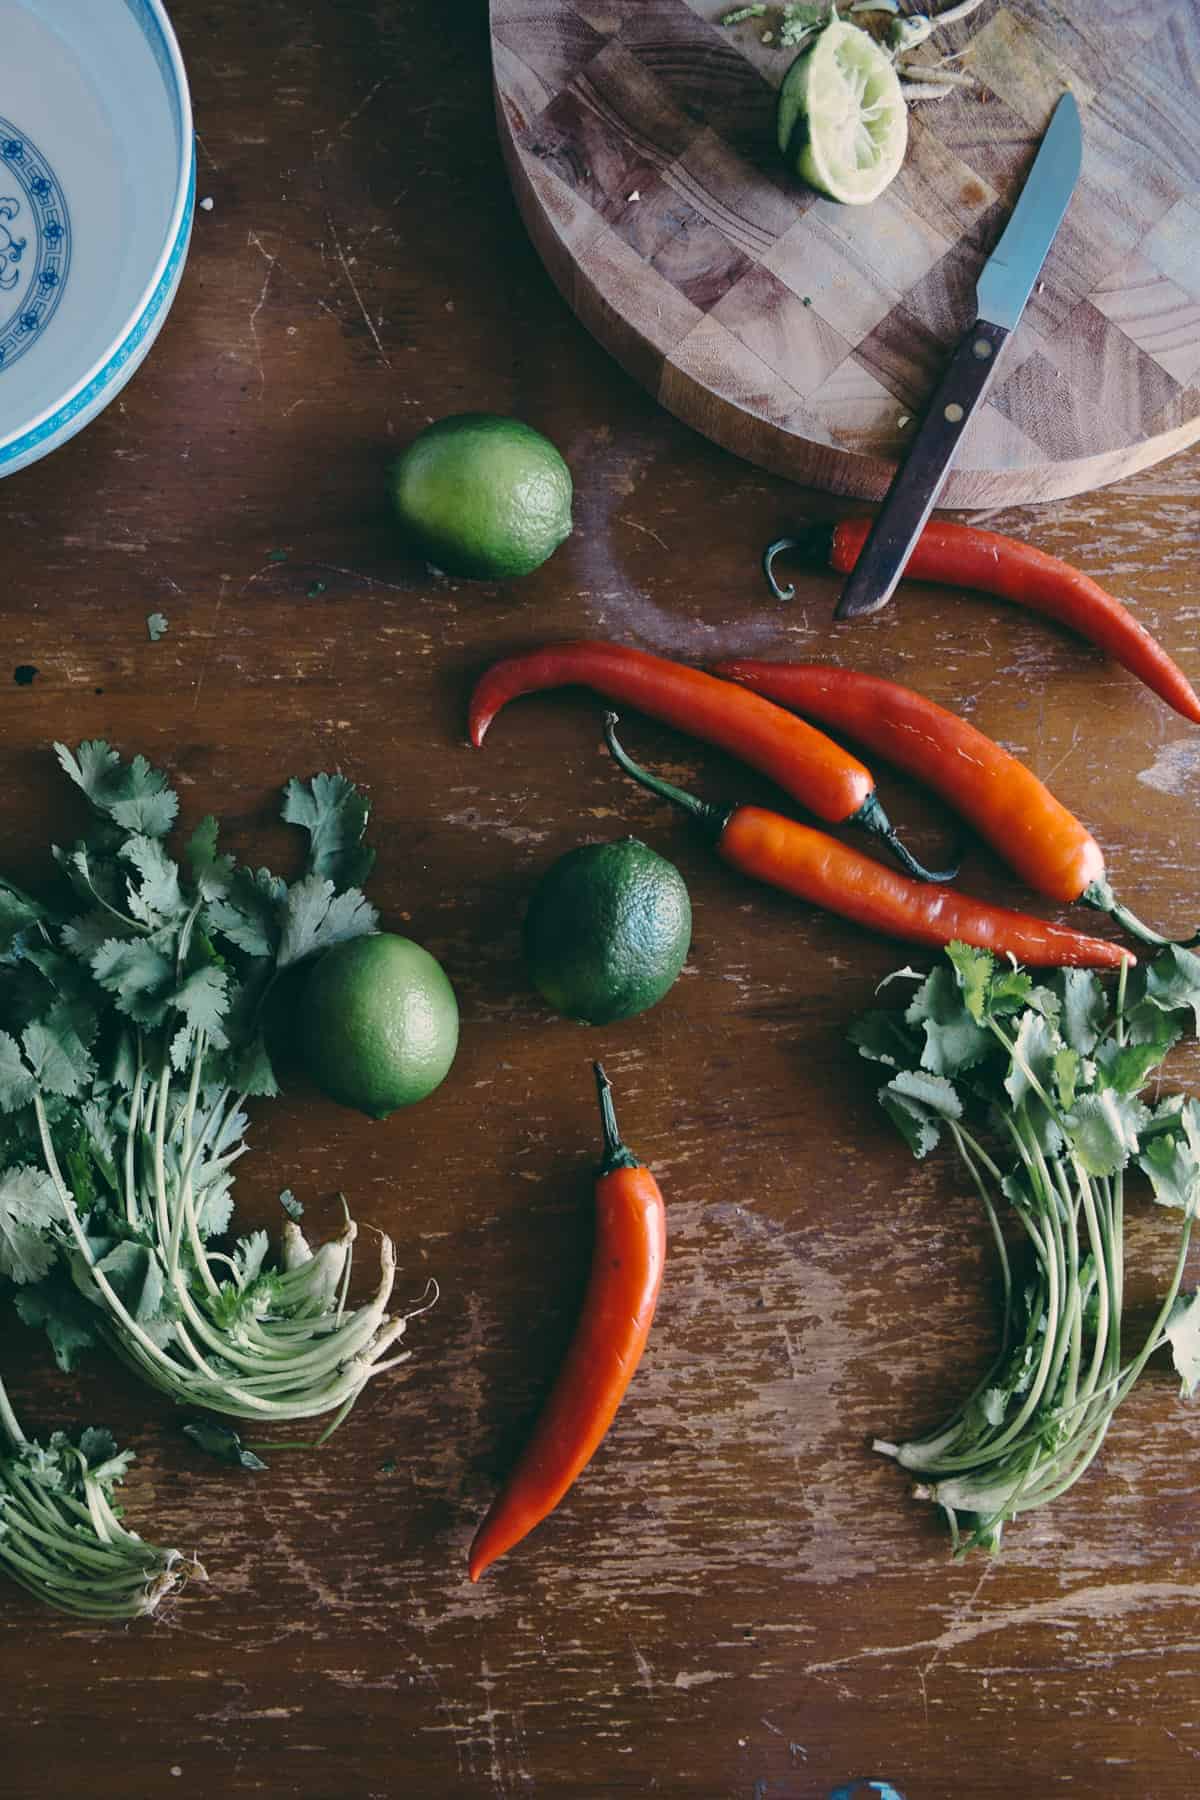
{"x":913,"y":494}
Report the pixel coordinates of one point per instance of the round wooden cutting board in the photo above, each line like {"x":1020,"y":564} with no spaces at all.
{"x":805,"y":335}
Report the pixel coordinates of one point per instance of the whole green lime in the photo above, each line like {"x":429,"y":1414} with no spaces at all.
{"x":378,"y":1023}
{"x":607,"y":931}
{"x":483,"y":495}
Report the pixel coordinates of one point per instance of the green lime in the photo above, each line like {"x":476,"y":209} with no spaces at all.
{"x":841,"y":121}
{"x":483,"y":495}
{"x":607,"y":931}
{"x":378,"y":1023}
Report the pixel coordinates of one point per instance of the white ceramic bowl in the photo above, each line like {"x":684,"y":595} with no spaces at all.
{"x":97,"y":192}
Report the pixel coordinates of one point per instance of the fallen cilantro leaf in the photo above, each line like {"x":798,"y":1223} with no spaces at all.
{"x":291,"y":1206}
{"x":222,"y":1442}
{"x":157,"y":626}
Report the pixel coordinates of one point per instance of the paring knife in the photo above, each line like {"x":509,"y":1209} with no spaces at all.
{"x":1004,"y":286}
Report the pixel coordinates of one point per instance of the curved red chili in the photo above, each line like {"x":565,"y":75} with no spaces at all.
{"x":618,"y":1310}
{"x":804,"y":762}
{"x":820,"y":869}
{"x":964,"y":556}
{"x":1005,"y":802}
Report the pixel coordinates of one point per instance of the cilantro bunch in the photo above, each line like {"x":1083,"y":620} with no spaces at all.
{"x":131,"y":1039}
{"x":1039,"y":1087}
{"x":61,"y":1536}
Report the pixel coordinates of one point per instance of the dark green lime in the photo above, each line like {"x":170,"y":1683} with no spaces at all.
{"x":378,"y":1023}
{"x":607,"y":931}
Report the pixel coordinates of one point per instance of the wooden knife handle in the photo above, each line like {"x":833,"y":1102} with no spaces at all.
{"x":911,"y":497}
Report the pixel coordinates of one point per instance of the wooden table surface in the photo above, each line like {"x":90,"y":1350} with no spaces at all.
{"x":738,"y":1599}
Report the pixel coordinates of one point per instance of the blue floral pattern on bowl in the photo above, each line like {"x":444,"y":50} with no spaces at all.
{"x":35,"y":243}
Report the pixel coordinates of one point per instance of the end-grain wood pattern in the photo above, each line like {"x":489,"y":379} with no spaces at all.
{"x":805,"y":335}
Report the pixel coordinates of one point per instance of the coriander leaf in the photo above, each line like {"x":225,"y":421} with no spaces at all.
{"x":93,"y":767}
{"x":249,"y":1254}
{"x":203,"y":999}
{"x":138,"y":976}
{"x":291,"y":1206}
{"x":222,"y":1442}
{"x":156,"y":899}
{"x":973,"y":969}
{"x":212,"y":874}
{"x":953,"y":1039}
{"x":146,"y":804}
{"x":56,"y":1307}
{"x":1013,"y":989}
{"x":213,"y":1202}
{"x":136,"y":1274}
{"x":1172,"y":983}
{"x":741,"y":13}
{"x":18,"y":914}
{"x":248,"y":916}
{"x":55,"y":1051}
{"x":334,"y":813}
{"x":1182,"y":1331}
{"x":1103,"y":1130}
{"x":1124,"y":1067}
{"x":316,"y":917}
{"x":97,"y":1444}
{"x":995,"y":1405}
{"x":1066,"y":1077}
{"x":253,"y":1073}
{"x":157,"y":626}
{"x":1084,"y":1007}
{"x":1173,"y":1170}
{"x":84,"y":935}
{"x":932,"y":1091}
{"x":1034,"y":1052}
{"x":882,"y":1037}
{"x":919,"y":1128}
{"x":17,"y":1085}
{"x":30,"y":1208}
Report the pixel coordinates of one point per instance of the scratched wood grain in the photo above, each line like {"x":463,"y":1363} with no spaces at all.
{"x":737,"y":1600}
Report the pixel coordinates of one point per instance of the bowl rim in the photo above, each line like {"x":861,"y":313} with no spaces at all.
{"x":31,"y":429}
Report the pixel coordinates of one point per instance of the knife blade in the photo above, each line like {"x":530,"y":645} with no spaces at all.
{"x":1005,"y":284}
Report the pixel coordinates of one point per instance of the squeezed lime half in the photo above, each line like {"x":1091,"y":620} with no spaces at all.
{"x":841,"y":120}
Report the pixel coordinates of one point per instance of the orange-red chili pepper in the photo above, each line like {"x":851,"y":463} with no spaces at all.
{"x":618,"y":1310}
{"x":1005,"y":802}
{"x":805,"y":763}
{"x":819,"y":868}
{"x":964,"y":556}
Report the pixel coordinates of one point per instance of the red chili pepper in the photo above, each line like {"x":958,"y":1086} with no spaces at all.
{"x":963,"y":556}
{"x":618,"y":1309}
{"x":805,"y":763}
{"x":819,"y":868}
{"x":1005,"y":802}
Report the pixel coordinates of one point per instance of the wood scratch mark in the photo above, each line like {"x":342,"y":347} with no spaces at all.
{"x":924,"y":1672}
{"x":253,"y":239}
{"x":209,"y":158}
{"x":644,"y":529}
{"x":353,"y":285}
{"x":1109,"y":1601}
{"x":362,"y":106}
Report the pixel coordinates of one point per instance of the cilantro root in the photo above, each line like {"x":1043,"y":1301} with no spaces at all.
{"x":1051,"y":1077}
